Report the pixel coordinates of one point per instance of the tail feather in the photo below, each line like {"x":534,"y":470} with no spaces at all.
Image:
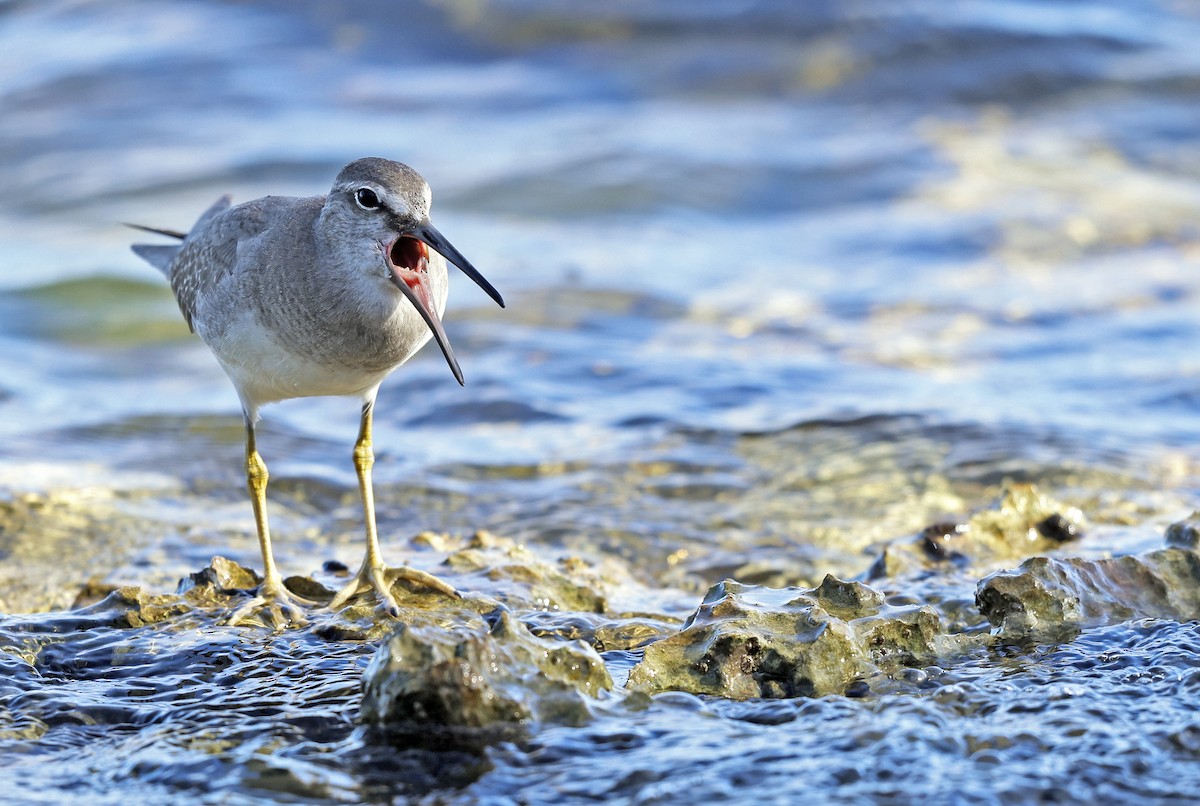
{"x":160,"y":257}
{"x":170,"y":233}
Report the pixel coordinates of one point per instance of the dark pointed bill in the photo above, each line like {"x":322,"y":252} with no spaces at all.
{"x":425,"y":231}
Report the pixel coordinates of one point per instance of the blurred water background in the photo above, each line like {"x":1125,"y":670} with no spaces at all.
{"x":784,"y":280}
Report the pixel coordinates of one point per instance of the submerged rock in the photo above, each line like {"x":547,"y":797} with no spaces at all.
{"x":747,"y":641}
{"x":124,"y":608}
{"x":428,"y":677}
{"x":1047,"y":596}
{"x":603,"y":633}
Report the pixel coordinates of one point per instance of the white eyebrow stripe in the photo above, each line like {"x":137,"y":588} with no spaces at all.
{"x":394,"y":202}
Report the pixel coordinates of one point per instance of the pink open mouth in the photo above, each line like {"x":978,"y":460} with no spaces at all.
{"x":409,"y":253}
{"x":408,"y":258}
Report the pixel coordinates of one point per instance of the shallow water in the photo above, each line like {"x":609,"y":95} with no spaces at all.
{"x":783,"y":284}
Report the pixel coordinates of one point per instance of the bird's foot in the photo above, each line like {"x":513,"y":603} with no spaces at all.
{"x":272,"y":606}
{"x":380,"y":578}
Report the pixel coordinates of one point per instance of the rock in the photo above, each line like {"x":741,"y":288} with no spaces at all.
{"x":1022,"y":523}
{"x":426,"y":677}
{"x":139,"y":608}
{"x":1058,"y":528}
{"x":218,"y":579}
{"x":520,"y":579}
{"x":125,"y":607}
{"x":848,"y":600}
{"x":603,"y":633}
{"x":51,"y":541}
{"x":1185,"y":534}
{"x":1046,"y":597}
{"x":747,"y":641}
{"x":941,"y":541}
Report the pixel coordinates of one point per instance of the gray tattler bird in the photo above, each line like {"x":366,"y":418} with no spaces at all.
{"x":317,"y":296}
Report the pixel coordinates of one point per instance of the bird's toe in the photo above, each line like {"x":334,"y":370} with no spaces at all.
{"x":379,"y":580}
{"x":273,"y":607}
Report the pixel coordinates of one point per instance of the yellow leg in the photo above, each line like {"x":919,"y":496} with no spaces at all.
{"x":281,"y":604}
{"x":374,"y":575}
{"x":364,"y":460}
{"x":256,"y":481}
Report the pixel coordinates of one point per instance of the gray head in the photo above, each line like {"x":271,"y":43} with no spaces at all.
{"x":377,"y":185}
{"x":376,"y":201}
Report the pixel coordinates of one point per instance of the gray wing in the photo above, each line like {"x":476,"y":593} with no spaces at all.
{"x":208,"y":255}
{"x":205,"y":265}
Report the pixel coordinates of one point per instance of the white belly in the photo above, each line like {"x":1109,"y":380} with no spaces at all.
{"x":264,"y":371}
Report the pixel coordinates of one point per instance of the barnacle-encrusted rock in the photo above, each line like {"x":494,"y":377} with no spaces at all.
{"x":429,"y":675}
{"x":748,"y":641}
{"x":1045,"y":597}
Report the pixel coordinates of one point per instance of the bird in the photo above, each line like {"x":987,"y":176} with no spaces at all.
{"x":317,"y":296}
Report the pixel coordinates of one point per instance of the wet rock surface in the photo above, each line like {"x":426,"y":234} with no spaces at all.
{"x":1023,"y":522}
{"x":423,"y":679}
{"x":564,"y":660}
{"x":747,"y":641}
{"x":1047,"y":597}
{"x":53,"y":540}
{"x":1185,"y":534}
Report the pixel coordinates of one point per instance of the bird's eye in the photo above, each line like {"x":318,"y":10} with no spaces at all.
{"x":367,"y":199}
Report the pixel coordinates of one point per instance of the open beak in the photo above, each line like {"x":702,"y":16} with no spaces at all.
{"x":409,"y":261}
{"x":425,"y":231}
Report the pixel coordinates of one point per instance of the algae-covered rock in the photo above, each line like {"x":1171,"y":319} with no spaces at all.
{"x":125,"y":607}
{"x":519,"y":578}
{"x":747,"y":641}
{"x":432,"y":676}
{"x":51,"y":542}
{"x":1022,"y":523}
{"x":1047,"y":596}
